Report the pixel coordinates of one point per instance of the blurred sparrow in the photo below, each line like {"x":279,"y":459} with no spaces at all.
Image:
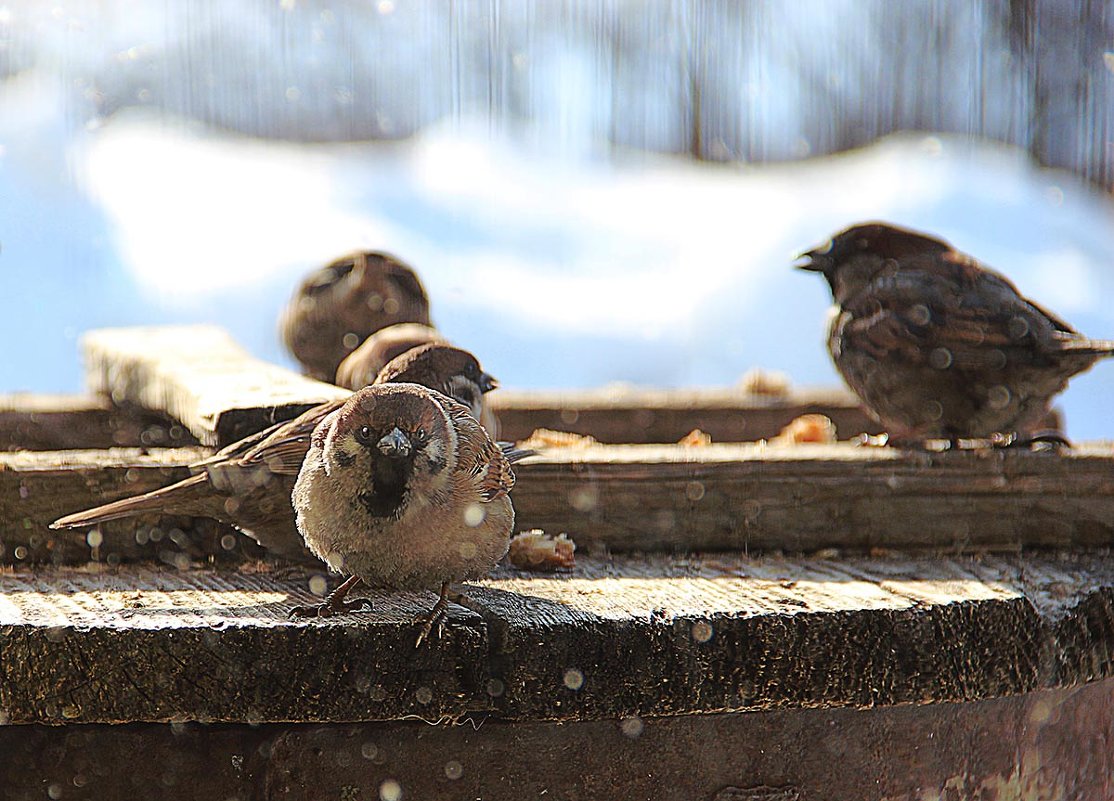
{"x":248,"y":483}
{"x":403,"y":488}
{"x":338,"y":306}
{"x":449,"y":370}
{"x":936,"y":345}
{"x":361,"y":366}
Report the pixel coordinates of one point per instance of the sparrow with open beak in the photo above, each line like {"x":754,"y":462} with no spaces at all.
{"x":938,"y":346}
{"x":336,"y":307}
{"x":403,"y":488}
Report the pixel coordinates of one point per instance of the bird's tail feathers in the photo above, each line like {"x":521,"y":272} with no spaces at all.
{"x":175,"y":499}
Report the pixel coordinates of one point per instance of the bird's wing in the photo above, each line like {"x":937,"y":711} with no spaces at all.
{"x":477,"y":457}
{"x":952,"y":313}
{"x":284,"y":448}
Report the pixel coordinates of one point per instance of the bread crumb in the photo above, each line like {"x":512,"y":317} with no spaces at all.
{"x":536,"y":550}
{"x":695,"y":439}
{"x":807,"y":428}
{"x":546,"y":438}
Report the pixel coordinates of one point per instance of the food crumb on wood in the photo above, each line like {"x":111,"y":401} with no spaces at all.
{"x":536,"y":550}
{"x":814,"y":428}
{"x":547,"y":438}
{"x":695,"y":439}
{"x":758,"y":381}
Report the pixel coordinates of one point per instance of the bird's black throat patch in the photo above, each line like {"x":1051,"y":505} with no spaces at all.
{"x":389,"y":481}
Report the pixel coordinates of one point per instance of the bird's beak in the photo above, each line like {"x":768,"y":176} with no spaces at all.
{"x":395,"y":445}
{"x":488,"y":382}
{"x":817,"y":260}
{"x":812,"y":261}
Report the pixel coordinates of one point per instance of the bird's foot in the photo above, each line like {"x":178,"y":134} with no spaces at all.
{"x":432,"y":623}
{"x":334,"y":603}
{"x":1053,"y":438}
{"x":873,"y":440}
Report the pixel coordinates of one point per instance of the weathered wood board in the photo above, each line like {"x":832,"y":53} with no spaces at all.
{"x":627,"y":636}
{"x":199,"y":376}
{"x":63,"y":422}
{"x":1051,"y":744}
{"x":797,"y":499}
{"x":637,"y":415}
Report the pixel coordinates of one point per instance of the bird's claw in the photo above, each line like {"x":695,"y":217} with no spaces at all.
{"x":430,"y":624}
{"x":327,"y":609}
{"x":1053,"y":438}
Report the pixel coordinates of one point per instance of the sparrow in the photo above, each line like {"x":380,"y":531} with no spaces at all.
{"x":402,"y":488}
{"x":449,"y":370}
{"x":937,"y":345}
{"x":337,"y":307}
{"x":248,"y":483}
{"x":361,"y":366}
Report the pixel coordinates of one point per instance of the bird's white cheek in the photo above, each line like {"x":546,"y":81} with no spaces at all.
{"x":340,"y":452}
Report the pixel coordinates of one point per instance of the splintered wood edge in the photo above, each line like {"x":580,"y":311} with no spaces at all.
{"x":623,"y":397}
{"x":658,"y":498}
{"x":199,"y":376}
{"x":629,"y":636}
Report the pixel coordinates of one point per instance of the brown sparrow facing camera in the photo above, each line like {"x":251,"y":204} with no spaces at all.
{"x":248,"y":483}
{"x":938,"y":346}
{"x":361,"y":366}
{"x":403,"y":488}
{"x":337,"y":307}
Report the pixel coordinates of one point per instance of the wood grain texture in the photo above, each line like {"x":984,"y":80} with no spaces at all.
{"x":199,"y":376}
{"x":1050,"y":744}
{"x":637,"y":415}
{"x":631,"y":636}
{"x":62,"y":422}
{"x":38,"y":487}
{"x":663,"y":498}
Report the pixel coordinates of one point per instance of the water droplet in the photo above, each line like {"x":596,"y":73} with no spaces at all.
{"x":467,"y":550}
{"x":933,"y":410}
{"x":694,"y":491}
{"x":228,"y":542}
{"x":390,"y":306}
{"x":94,"y":538}
{"x":574,"y":679}
{"x":351,"y":341}
{"x":1018,"y":327}
{"x":569,"y":416}
{"x":584,"y":499}
{"x":632,"y":727}
{"x":494,"y":688}
{"x":369,"y":750}
{"x":702,"y":631}
{"x":318,"y":586}
{"x":390,"y":790}
{"x":474,"y":514}
{"x":998,"y":397}
{"x":453,"y":770}
{"x":424,"y":695}
{"x":920,"y":315}
{"x":20,"y":552}
{"x":54,"y":791}
{"x":940,"y":358}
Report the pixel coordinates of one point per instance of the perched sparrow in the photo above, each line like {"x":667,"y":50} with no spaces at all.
{"x":451,"y":371}
{"x":338,"y":306}
{"x":248,"y":483}
{"x":936,"y":345}
{"x":361,"y":366}
{"x":402,"y":488}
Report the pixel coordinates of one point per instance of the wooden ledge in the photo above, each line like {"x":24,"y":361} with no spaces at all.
{"x":199,"y":376}
{"x":644,"y":636}
{"x":798,"y":499}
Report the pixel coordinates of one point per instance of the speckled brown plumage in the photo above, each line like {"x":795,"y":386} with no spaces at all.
{"x":936,"y":344}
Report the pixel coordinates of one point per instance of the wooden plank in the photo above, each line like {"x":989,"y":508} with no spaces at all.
{"x":36,"y":487}
{"x":631,"y":636}
{"x":668,"y":498}
{"x":198,"y":376}
{"x":637,"y":415}
{"x":1037,"y":746}
{"x":63,"y":422}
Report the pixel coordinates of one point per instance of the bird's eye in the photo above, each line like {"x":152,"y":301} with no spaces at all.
{"x":420,"y":436}
{"x":363,"y":434}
